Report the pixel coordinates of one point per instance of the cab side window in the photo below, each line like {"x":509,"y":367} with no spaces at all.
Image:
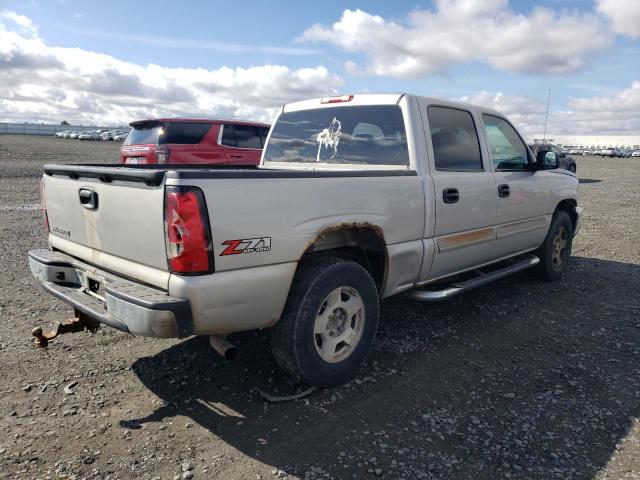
{"x":454,"y":139}
{"x":508,"y":151}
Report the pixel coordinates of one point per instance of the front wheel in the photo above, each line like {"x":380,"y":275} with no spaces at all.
{"x":329,"y":322}
{"x":556,"y":249}
{"x":572,"y":168}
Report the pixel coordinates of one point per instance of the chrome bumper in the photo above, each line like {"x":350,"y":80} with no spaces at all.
{"x":113,"y":301}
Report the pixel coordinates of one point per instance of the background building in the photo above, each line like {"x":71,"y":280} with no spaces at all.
{"x":591,"y":141}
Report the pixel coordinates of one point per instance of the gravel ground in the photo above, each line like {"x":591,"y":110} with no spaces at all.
{"x":518,"y":379}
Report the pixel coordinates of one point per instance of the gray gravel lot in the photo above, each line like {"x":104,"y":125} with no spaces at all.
{"x":518,"y":379}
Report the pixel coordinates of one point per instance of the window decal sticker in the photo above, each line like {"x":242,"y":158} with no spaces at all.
{"x":329,"y":138}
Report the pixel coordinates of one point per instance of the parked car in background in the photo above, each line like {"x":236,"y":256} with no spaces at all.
{"x":196,"y":141}
{"x":575,"y":151}
{"x":636,"y":153}
{"x":587,"y":152}
{"x":120,"y":136}
{"x":608,"y":152}
{"x":89,"y":135}
{"x":74,"y":134}
{"x":566,"y":162}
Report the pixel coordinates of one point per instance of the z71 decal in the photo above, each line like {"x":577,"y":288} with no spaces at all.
{"x":246,"y":245}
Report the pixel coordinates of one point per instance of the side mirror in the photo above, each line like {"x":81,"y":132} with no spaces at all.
{"x":547,"y":160}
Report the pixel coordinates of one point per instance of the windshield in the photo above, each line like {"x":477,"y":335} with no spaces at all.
{"x":372,"y":135}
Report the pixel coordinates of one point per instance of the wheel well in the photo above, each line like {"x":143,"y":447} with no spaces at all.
{"x":362,"y":244}
{"x":569,"y":205}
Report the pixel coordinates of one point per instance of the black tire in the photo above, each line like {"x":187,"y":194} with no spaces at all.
{"x":572,"y":168}
{"x":293,"y":341}
{"x":553,"y":260}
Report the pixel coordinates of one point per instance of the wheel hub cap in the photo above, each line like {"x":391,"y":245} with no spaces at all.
{"x":339,"y":324}
{"x":560,"y":243}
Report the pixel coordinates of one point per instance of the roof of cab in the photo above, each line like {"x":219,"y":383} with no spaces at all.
{"x":196,"y":120}
{"x":381,"y":99}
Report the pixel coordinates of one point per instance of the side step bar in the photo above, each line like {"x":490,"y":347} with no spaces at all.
{"x":450,"y":290}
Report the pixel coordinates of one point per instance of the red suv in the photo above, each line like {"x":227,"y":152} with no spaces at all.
{"x":188,"y":140}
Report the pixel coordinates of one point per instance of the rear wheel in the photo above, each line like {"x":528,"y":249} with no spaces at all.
{"x":329,"y":323}
{"x":572,"y":168}
{"x":556,"y":250}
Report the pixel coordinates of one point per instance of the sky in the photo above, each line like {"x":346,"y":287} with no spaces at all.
{"x":109,"y":63}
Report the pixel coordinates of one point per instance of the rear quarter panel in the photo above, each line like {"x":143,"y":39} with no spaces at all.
{"x":249,"y":290}
{"x":293,"y":211}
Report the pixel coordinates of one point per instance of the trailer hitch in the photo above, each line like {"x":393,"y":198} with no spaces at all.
{"x":78,"y":324}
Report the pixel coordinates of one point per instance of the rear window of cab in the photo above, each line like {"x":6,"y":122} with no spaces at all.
{"x":373,"y":135}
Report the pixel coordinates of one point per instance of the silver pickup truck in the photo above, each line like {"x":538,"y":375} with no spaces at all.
{"x":357,"y":198}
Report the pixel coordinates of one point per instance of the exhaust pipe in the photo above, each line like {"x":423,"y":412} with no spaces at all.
{"x":223,"y":347}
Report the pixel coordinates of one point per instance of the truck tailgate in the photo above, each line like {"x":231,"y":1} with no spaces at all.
{"x":115,"y":216}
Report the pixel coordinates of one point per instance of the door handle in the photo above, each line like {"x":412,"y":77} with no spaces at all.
{"x":235,"y":156}
{"x":503,"y":190}
{"x":88,"y":198}
{"x":450,"y":195}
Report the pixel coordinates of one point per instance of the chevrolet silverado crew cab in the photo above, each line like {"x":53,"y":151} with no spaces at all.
{"x":194,"y":140}
{"x":356,"y":199}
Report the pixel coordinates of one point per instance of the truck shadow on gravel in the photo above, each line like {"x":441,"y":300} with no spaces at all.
{"x":583,"y":181}
{"x":520,"y":377}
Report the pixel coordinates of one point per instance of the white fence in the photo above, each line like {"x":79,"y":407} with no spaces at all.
{"x":40,"y":129}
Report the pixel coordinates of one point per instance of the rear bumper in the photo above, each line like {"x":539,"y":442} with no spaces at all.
{"x":119,"y":303}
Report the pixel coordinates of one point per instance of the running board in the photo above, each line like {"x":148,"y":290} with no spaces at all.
{"x":452,"y":289}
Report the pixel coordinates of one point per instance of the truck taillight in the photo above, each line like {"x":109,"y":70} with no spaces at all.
{"x":162,"y":154}
{"x":43,"y":206}
{"x":187,"y":231}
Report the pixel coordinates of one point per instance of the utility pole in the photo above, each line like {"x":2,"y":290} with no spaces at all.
{"x":546,"y":117}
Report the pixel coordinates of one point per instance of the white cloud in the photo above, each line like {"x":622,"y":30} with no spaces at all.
{"x":617,"y":113}
{"x":191,"y":44}
{"x":526,"y":113}
{"x":624,"y":15}
{"x":39,"y":82}
{"x":461,"y":31}
{"x":614,"y":114}
{"x":23,"y":24}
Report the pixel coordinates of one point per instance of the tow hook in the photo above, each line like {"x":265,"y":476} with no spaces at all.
{"x":78,"y":324}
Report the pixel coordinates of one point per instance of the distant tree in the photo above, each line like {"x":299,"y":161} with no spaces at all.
{"x":64,"y":122}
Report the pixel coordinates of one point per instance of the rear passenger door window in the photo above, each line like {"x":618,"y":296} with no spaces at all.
{"x":508,"y":151}
{"x":229,"y":136}
{"x":454,"y":139}
{"x":248,"y":137}
{"x":242,"y":136}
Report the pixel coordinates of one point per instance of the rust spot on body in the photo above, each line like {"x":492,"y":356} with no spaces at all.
{"x":352,"y":226}
{"x":355,"y":227}
{"x":460,"y":240}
